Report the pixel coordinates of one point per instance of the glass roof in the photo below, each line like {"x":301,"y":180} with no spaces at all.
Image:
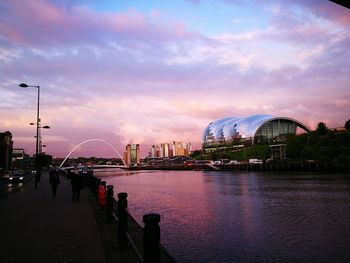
{"x":240,"y":127}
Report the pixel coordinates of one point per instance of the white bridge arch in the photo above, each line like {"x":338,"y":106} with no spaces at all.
{"x":92,"y":140}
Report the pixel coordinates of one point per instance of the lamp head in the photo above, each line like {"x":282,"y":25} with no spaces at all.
{"x":23,"y":85}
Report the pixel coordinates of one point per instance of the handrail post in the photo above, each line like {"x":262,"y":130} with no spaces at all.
{"x":97,"y":184}
{"x":110,"y":201}
{"x":122,"y":216}
{"x":151,"y":238}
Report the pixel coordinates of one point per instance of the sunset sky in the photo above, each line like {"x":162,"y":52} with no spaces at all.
{"x":151,"y":72}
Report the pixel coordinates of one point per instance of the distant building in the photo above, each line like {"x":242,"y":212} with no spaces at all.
{"x":153,"y":151}
{"x":234,"y":132}
{"x":164,"y":150}
{"x":337,"y":129}
{"x":170,"y":150}
{"x":6,"y":148}
{"x":278,"y":152}
{"x":181,"y":148}
{"x":167,"y":161}
{"x":18,"y":154}
{"x":132,"y":154}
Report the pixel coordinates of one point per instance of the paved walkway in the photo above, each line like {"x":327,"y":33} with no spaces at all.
{"x":36,"y":228}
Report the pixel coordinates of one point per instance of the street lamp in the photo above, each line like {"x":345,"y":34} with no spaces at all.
{"x":40,"y":137}
{"x":23,"y":85}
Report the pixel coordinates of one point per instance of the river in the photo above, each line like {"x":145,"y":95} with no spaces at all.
{"x":243,"y":216}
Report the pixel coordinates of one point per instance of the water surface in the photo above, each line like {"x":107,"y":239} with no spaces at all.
{"x":243,"y":217}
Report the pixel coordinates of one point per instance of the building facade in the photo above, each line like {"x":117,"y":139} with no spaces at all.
{"x":170,"y":150}
{"x":132,"y":154}
{"x":164,"y":150}
{"x":18,"y":154}
{"x":242,"y":131}
{"x":6,"y":149}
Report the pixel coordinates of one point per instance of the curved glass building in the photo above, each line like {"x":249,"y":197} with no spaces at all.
{"x":249,"y":130}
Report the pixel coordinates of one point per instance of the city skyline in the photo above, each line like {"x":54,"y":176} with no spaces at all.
{"x":152,"y":71}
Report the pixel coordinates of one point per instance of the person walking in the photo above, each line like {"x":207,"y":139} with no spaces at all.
{"x":77,"y":185}
{"x":54,"y":180}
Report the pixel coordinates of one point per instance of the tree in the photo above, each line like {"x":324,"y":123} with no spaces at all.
{"x":308,"y":153}
{"x":321,"y":128}
{"x":197,"y":154}
{"x":294,"y":146}
{"x":347,"y":125}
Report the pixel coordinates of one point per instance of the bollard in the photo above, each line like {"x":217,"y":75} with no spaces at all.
{"x":110,"y":201}
{"x":151,"y":238}
{"x":97,"y":184}
{"x":122,"y":217}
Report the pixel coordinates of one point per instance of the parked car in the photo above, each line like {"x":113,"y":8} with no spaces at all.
{"x":16,"y":176}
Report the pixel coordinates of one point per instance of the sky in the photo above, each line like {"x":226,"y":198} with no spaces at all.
{"x":155,"y":71}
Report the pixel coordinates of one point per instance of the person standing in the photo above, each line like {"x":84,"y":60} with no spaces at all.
{"x":77,"y":185}
{"x":54,"y":180}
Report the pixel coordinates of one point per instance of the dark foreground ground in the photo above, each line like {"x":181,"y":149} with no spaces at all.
{"x":34,"y":227}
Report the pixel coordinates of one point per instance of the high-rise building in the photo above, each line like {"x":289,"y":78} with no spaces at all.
{"x":164,"y":150}
{"x":169,"y":150}
{"x":157,"y":151}
{"x":132,"y":154}
{"x":6,"y":148}
{"x":181,"y":148}
{"x":153,"y":151}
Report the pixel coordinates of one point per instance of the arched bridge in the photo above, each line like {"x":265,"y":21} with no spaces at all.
{"x":95,"y":140}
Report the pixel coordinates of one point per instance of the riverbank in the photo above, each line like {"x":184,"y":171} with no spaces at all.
{"x":288,"y":166}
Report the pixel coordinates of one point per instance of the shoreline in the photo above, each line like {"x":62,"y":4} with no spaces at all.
{"x":305,"y":166}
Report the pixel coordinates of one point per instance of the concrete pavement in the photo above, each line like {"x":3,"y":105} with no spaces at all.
{"x":36,"y":228}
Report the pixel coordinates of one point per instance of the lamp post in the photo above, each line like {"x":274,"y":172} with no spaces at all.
{"x":41,"y":142}
{"x":37,"y":175}
{"x":40,"y":137}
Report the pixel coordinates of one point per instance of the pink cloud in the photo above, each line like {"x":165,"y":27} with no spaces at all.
{"x":328,"y":10}
{"x":110,"y":76}
{"x":43,"y":23}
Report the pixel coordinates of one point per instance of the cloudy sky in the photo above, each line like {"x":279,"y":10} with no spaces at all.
{"x":155,"y":71}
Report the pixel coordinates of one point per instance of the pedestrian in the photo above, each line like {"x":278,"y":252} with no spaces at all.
{"x":77,"y":185}
{"x":54,"y":180}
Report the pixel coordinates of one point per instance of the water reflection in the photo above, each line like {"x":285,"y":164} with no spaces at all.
{"x":244,"y":217}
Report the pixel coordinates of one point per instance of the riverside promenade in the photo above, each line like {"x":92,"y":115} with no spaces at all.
{"x":34,"y":227}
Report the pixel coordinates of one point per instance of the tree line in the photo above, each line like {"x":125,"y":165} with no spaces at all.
{"x":323,"y":144}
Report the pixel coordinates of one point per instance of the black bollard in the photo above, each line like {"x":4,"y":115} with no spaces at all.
{"x":110,"y":201}
{"x":98,"y":182}
{"x":151,"y":238}
{"x":122,"y":216}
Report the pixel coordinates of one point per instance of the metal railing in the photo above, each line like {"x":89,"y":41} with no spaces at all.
{"x":144,"y":240}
